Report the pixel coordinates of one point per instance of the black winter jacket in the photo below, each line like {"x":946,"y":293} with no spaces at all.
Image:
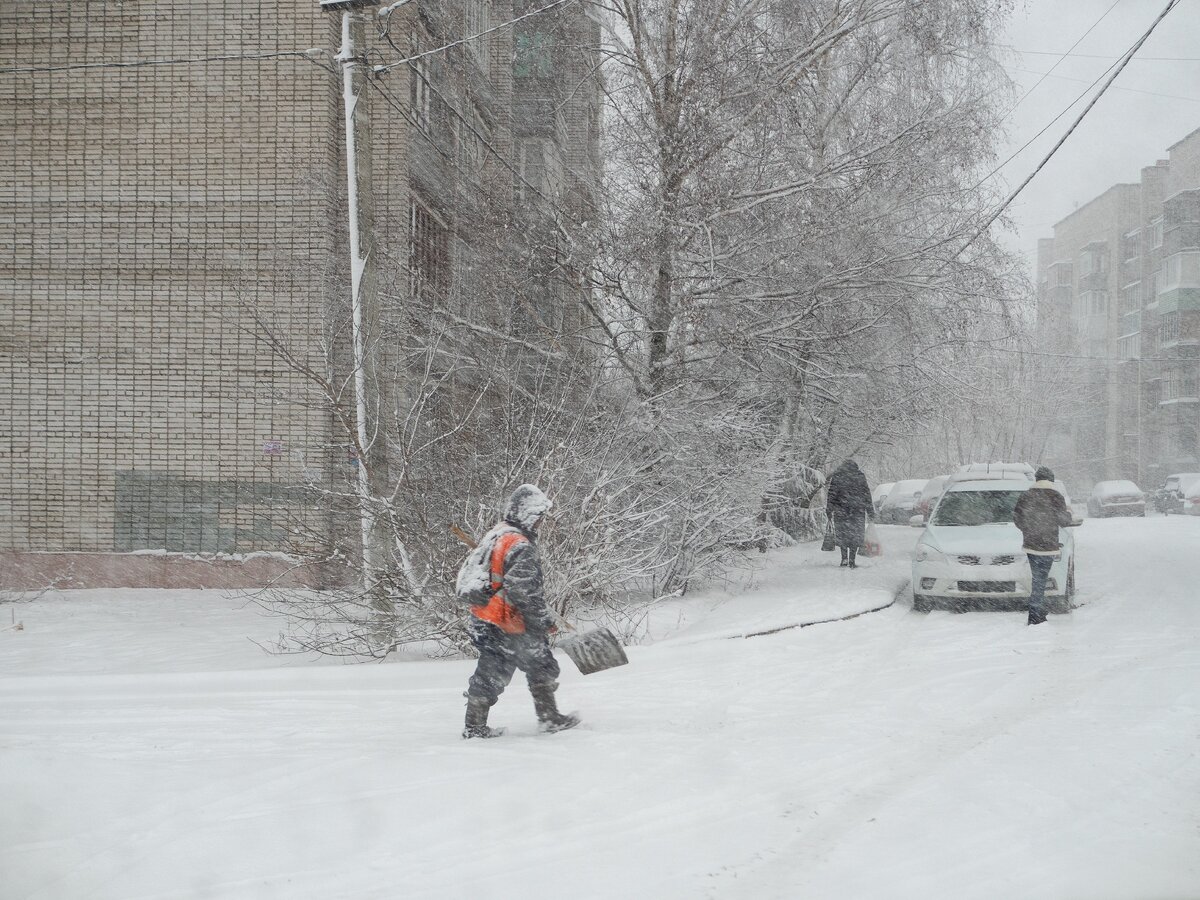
{"x":1039,"y":514}
{"x":849,"y":503}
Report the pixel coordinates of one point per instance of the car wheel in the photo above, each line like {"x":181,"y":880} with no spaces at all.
{"x":1062,"y":605}
{"x":922,"y":604}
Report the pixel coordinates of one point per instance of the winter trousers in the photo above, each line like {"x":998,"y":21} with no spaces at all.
{"x":1040,"y":567}
{"x":500,"y":655}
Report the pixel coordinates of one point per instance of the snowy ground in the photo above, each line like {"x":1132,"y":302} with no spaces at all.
{"x":149,"y":749}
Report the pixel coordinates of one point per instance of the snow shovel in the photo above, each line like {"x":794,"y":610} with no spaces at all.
{"x":593,"y":651}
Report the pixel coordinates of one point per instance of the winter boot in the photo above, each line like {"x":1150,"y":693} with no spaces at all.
{"x":549,"y":718}
{"x":1036,"y":616}
{"x":853,"y":553}
{"x":477,"y":716}
{"x":845,"y":559}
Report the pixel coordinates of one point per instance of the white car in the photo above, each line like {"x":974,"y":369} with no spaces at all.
{"x":970,"y":552}
{"x":901,"y":501}
{"x":1116,"y":498}
{"x":930,"y":494}
{"x":880,"y":493}
{"x":1191,"y":500}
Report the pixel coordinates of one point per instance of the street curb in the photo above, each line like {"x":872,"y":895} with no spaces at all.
{"x":846,"y":618}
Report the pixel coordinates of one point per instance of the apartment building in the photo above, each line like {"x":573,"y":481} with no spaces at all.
{"x":1119,"y":309}
{"x":172,"y":197}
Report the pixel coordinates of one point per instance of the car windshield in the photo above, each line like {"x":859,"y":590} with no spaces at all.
{"x":976,"y":507}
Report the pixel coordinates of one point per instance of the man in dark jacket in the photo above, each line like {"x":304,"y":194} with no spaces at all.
{"x":511,"y":630}
{"x":1039,"y":514}
{"x":848,"y":502}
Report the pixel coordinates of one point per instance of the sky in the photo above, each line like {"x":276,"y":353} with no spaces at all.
{"x":1154,"y":103}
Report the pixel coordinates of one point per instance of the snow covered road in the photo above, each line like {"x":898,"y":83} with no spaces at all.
{"x":158,"y":754}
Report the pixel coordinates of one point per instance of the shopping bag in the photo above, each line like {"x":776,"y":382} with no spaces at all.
{"x":871,"y":546}
{"x":827,"y":542}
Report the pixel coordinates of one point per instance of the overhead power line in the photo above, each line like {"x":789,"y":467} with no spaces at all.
{"x":310,"y":55}
{"x":379,"y":70}
{"x":1103,"y":16}
{"x":1102,"y":56}
{"x":1116,"y":87}
{"x":1087,"y":109}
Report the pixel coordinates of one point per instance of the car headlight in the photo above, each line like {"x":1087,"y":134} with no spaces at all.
{"x":925,"y":553}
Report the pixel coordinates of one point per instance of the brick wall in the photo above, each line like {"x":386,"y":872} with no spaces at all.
{"x":143,"y":211}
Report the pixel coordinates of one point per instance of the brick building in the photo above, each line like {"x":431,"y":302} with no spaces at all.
{"x":172,"y":184}
{"x":1119,"y":305}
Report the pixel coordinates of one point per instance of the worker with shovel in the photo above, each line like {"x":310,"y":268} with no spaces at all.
{"x":510,"y":623}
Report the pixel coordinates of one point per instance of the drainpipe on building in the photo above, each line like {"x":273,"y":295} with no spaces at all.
{"x":364,"y":301}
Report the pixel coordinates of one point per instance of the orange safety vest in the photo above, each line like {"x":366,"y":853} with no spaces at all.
{"x":498,"y":611}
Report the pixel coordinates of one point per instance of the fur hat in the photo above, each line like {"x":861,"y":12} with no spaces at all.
{"x":1043,"y":473}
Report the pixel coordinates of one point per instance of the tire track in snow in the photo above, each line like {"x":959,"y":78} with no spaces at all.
{"x":823,"y":831}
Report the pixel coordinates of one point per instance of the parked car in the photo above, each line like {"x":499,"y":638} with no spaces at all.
{"x":1191,"y":499}
{"x":901,"y":501}
{"x":1169,"y":497}
{"x":1116,"y":498}
{"x":970,"y":552}
{"x":930,"y":494}
{"x":880,"y":493}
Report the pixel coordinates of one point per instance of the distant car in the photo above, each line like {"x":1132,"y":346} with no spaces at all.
{"x":970,"y":555}
{"x":930,"y":494}
{"x":880,"y":493}
{"x":1191,"y":499}
{"x":1116,"y":498}
{"x":1169,"y":497}
{"x":901,"y":501}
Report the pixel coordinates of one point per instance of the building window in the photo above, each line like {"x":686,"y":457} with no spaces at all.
{"x":1062,"y":274}
{"x":1093,"y":303}
{"x":1130,"y":245}
{"x":1093,"y":262}
{"x":477,"y":22}
{"x":1131,"y":298}
{"x":534,"y":57}
{"x":1131,"y":346}
{"x":1168,"y":328}
{"x":1179,"y":385}
{"x":475,"y":135}
{"x":530,"y":170}
{"x":1181,"y":270}
{"x":1156,"y":233}
{"x":428,"y":253}
{"x":418,"y":93}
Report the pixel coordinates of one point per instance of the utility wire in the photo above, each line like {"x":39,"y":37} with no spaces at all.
{"x":1101,"y":56}
{"x":310,"y":55}
{"x":379,"y":70}
{"x":1060,"y":59}
{"x":1098,"y":359}
{"x":1171,"y":4}
{"x":1116,"y":87}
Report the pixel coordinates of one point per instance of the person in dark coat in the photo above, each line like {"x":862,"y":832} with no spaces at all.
{"x":511,"y":630}
{"x":1039,"y":513}
{"x":848,"y":503}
